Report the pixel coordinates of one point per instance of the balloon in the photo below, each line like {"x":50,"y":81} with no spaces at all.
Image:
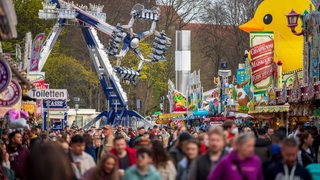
{"x":15,"y":122}
{"x":18,"y":123}
{"x":24,"y":114}
{"x":13,"y":114}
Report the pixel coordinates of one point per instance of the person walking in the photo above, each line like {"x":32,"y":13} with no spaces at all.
{"x":241,"y":163}
{"x":161,"y":161}
{"x":192,"y":152}
{"x":178,"y":151}
{"x":288,"y":168}
{"x":120,"y":132}
{"x":89,"y":148}
{"x":204,"y":164}
{"x":203,"y":140}
{"x":125,"y":154}
{"x":165,"y":136}
{"x":263,"y":145}
{"x":18,"y":154}
{"x":143,"y":170}
{"x":34,"y":138}
{"x":5,"y":168}
{"x":48,"y":161}
{"x":107,"y":168}
{"x":306,"y":154}
{"x":108,"y":137}
{"x":81,"y":161}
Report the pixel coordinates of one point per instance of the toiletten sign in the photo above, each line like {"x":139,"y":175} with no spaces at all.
{"x":48,"y":93}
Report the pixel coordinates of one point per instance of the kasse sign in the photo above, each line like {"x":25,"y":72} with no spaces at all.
{"x":48,"y":93}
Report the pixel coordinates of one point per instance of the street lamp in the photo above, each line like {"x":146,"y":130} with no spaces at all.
{"x":292,"y":18}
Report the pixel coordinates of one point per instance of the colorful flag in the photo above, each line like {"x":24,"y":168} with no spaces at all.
{"x":35,"y":53}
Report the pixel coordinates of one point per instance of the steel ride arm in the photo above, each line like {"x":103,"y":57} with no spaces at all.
{"x":49,"y":43}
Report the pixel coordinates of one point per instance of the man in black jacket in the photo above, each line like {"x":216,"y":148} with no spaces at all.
{"x":204,"y":164}
{"x":263,"y":146}
{"x":288,"y":168}
{"x":34,"y":138}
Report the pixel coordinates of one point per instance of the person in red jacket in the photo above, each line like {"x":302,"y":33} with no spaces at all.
{"x":126,"y":155}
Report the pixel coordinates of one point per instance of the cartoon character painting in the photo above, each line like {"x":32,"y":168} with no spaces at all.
{"x":242,"y":96}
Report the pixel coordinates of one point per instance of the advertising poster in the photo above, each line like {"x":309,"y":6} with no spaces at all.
{"x":241,"y":76}
{"x":262,"y":58}
{"x":35,"y":52}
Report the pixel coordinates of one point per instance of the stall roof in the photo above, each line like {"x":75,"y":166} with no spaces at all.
{"x":240,"y":115}
{"x":270,"y":109}
{"x":22,"y":78}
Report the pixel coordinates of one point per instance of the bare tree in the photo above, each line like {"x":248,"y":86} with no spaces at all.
{"x":180,"y":13}
{"x":223,"y":39}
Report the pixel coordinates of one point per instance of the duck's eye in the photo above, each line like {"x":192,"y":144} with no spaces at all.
{"x":267,"y":19}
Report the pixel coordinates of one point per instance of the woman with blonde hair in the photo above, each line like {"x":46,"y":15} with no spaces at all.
{"x":107,"y":168}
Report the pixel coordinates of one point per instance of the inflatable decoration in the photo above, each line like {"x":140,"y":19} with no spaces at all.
{"x":179,"y":101}
{"x":271,"y":18}
{"x":16,"y":122}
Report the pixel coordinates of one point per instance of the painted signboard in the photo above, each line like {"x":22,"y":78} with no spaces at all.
{"x":35,"y":53}
{"x":29,"y":107}
{"x":5,"y":74}
{"x":11,"y":95}
{"x":262,"y":58}
{"x":54,"y":104}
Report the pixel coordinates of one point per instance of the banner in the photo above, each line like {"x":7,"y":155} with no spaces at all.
{"x":261,"y":48}
{"x":35,"y":52}
{"x":11,"y":95}
{"x":5,"y":75}
{"x":262,"y":74}
{"x":261,"y":62}
{"x":262,"y":57}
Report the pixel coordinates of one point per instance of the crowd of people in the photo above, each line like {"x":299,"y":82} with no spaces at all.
{"x":222,"y":152}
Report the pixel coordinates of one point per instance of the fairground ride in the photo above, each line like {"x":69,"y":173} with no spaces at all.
{"x":92,"y":19}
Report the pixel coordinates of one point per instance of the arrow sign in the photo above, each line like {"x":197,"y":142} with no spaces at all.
{"x":48,"y":93}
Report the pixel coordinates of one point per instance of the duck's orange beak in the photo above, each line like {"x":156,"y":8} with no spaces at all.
{"x":251,"y":26}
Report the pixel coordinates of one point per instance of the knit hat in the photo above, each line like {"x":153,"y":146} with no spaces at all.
{"x":275,"y":149}
{"x":184,"y":136}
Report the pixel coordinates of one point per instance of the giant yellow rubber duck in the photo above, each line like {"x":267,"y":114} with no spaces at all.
{"x":270,"y":17}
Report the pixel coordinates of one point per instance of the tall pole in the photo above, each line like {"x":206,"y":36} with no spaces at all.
{"x":182,"y":60}
{"x":48,"y":114}
{"x":76,"y":109}
{"x":99,"y":101}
